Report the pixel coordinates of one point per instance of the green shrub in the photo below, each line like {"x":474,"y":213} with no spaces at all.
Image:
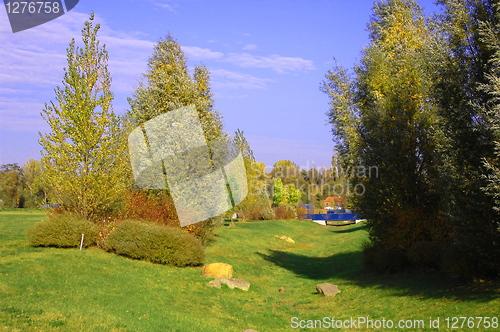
{"x":267,"y":213}
{"x":155,"y":243}
{"x":63,"y":231}
{"x":205,"y":230}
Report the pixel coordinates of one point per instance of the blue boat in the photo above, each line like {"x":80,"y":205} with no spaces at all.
{"x":343,"y":216}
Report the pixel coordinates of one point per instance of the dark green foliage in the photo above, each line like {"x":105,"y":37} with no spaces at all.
{"x":459,"y":262}
{"x":425,"y":254}
{"x":423,"y":107}
{"x":156,"y":243}
{"x":11,"y":185}
{"x":465,"y":92}
{"x":384,"y":260}
{"x":63,"y":231}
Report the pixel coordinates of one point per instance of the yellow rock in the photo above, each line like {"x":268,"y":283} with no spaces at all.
{"x":218,"y":270}
{"x":286,"y":238}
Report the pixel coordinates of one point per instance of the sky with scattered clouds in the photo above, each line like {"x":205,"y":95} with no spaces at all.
{"x":266,"y":59}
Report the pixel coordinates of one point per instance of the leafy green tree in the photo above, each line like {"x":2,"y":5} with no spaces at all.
{"x":294,"y":194}
{"x":257,"y":200}
{"x":35,"y":187}
{"x":467,"y":95}
{"x":399,"y":128}
{"x":489,"y":33}
{"x":340,"y":85}
{"x":279,"y":192}
{"x":210,"y":118}
{"x":244,"y":146}
{"x":167,"y":86}
{"x":83,"y":156}
{"x":11,"y":186}
{"x":384,"y":116}
{"x":286,"y":170}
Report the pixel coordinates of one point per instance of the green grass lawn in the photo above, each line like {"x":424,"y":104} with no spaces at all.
{"x":48,"y":289}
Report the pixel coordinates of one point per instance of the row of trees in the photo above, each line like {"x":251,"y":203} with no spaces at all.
{"x":22,"y":186}
{"x":422,"y":106}
{"x":85,"y":162}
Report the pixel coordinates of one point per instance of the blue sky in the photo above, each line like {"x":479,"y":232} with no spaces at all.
{"x":266,"y":58}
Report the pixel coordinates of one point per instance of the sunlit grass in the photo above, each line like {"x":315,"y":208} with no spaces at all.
{"x":48,"y":289}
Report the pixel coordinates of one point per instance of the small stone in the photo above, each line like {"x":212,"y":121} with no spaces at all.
{"x":286,"y":238}
{"x":281,"y":290}
{"x":230,"y":282}
{"x":214,"y":283}
{"x":218,"y":270}
{"x":236,"y":283}
{"x":327,"y":289}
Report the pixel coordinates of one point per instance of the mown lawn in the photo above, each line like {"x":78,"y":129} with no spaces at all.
{"x":48,"y":289}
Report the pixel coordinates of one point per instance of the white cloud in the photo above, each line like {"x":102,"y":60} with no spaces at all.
{"x":250,"y":47}
{"x":198,"y":53}
{"x":164,"y":5}
{"x":277,"y":63}
{"x":33,"y":61}
{"x":233,"y":80}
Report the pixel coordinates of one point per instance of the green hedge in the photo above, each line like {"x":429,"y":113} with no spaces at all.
{"x":63,"y":231}
{"x":156,"y":243}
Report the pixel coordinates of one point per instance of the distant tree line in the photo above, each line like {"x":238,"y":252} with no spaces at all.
{"x":22,"y":187}
{"x":423,"y":106}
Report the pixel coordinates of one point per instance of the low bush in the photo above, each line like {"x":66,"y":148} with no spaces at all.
{"x":285,"y":212}
{"x":106,"y":227}
{"x":153,"y":205}
{"x":205,"y":230}
{"x":267,"y":213}
{"x":155,"y":243}
{"x":64,"y":230}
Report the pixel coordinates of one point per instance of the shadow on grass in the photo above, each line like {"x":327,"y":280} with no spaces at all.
{"x":347,"y":266}
{"x":346,"y":229}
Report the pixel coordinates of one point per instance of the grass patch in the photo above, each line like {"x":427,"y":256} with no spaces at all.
{"x":51,"y":289}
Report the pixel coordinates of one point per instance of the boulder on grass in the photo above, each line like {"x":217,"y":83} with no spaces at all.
{"x":236,"y":283}
{"x":215,"y":283}
{"x":286,"y":238}
{"x":218,"y":270}
{"x":327,"y":289}
{"x":230,"y":282}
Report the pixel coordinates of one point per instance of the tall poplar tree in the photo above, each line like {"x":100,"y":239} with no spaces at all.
{"x":383,"y":116}
{"x":467,"y":94}
{"x":83,"y":155}
{"x":167,"y":86}
{"x":399,"y":128}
